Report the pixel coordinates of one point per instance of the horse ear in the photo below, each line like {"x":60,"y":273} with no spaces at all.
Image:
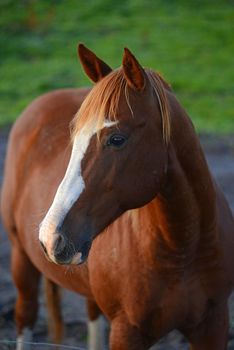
{"x":93,"y":66}
{"x":133,"y":71}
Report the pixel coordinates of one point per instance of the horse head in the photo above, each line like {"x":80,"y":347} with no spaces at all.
{"x":119,"y":156}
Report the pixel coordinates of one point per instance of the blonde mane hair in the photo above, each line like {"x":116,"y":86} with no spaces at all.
{"x":103,"y":100}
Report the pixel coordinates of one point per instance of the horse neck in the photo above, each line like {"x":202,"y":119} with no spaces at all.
{"x":182,"y":217}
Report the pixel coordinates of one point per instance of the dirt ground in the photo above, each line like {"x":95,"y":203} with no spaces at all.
{"x":220,"y":155}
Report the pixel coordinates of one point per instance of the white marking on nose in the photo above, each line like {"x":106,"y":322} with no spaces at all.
{"x":70,"y":188}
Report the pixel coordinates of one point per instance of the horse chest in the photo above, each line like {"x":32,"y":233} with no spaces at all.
{"x":146,"y":300}
{"x":157,"y":307}
{"x":155,"y":300}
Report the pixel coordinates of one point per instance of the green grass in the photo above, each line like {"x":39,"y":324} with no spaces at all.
{"x":189,"y":42}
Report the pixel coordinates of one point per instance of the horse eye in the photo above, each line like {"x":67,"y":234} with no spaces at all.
{"x":116,"y":140}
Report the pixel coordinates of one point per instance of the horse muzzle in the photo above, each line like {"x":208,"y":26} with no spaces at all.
{"x":60,"y":250}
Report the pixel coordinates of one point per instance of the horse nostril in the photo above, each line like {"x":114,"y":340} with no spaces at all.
{"x":60,"y":244}
{"x":85,"y":249}
{"x":43,"y":247}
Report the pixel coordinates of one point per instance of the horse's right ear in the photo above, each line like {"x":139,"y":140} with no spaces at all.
{"x":93,"y":66}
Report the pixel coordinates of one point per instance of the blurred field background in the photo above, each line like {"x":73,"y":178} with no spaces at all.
{"x":189,"y":42}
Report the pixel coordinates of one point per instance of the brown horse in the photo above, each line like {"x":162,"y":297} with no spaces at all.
{"x":147,"y":233}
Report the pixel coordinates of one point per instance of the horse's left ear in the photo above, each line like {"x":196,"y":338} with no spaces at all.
{"x":93,"y":66}
{"x":133,"y":71}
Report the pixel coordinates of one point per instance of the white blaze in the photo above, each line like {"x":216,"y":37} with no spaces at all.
{"x":69,"y":189}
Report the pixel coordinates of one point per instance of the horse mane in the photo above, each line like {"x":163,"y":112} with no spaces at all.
{"x":103,"y":99}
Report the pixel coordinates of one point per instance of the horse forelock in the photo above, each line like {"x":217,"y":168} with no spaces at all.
{"x":102,"y":103}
